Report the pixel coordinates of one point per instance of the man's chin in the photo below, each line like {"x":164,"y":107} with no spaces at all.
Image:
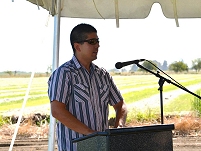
{"x":95,"y":58}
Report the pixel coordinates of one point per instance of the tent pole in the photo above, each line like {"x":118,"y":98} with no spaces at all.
{"x":55,"y":64}
{"x":21,"y":111}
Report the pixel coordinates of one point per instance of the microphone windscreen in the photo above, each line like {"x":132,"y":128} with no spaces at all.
{"x":118,"y":65}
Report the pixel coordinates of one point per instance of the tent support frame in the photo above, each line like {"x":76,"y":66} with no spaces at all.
{"x":55,"y":64}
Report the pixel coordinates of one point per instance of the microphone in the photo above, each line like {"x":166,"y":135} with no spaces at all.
{"x":119,"y":65}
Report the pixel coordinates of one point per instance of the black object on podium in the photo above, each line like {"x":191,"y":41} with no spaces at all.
{"x":143,"y":138}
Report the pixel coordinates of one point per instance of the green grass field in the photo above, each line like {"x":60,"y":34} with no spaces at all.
{"x":133,"y":88}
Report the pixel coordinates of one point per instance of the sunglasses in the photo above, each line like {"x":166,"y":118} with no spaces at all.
{"x":92,"y":41}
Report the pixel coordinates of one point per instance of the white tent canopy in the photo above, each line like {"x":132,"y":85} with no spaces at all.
{"x":121,"y":9}
{"x":129,"y":9}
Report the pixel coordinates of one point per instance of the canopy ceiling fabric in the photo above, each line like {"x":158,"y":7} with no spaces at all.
{"x":121,"y":9}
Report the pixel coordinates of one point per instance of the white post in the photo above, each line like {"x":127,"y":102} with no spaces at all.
{"x":55,"y":63}
{"x":21,"y":111}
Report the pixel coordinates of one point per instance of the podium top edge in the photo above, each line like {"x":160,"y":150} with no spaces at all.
{"x":138,"y":129}
{"x":90,"y":136}
{"x":128,"y":130}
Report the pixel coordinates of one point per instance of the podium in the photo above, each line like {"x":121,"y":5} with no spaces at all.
{"x":144,"y":138}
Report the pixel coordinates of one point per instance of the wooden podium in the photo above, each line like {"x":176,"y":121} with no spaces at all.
{"x":144,"y":138}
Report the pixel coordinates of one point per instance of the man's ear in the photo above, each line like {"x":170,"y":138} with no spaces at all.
{"x":77,"y":46}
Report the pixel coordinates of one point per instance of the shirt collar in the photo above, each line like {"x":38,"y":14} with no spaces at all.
{"x":93,"y":67}
{"x":76,"y":62}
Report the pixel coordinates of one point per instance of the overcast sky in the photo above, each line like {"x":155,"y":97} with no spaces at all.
{"x":26,"y":35}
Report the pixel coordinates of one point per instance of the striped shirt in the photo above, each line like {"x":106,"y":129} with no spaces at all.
{"x":86,"y":95}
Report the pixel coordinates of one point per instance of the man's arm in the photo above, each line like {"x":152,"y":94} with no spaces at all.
{"x":59,"y":112}
{"x":121,"y":114}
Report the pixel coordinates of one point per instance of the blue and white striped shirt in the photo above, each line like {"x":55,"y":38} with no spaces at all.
{"x":86,"y":96}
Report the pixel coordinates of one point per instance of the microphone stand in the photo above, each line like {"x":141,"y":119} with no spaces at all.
{"x":161,"y":81}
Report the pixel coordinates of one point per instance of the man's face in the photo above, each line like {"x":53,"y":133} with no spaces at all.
{"x":89,"y":49}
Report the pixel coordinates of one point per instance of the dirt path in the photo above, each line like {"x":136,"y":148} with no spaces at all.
{"x":187,"y":143}
{"x":42,"y":109}
{"x":179,"y":144}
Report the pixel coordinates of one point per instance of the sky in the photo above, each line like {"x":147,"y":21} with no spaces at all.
{"x":26,"y":37}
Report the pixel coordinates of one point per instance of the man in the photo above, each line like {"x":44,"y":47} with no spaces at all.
{"x":80,"y":91}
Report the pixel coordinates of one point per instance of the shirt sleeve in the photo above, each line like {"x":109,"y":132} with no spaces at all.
{"x":58,"y":86}
{"x":115,"y":95}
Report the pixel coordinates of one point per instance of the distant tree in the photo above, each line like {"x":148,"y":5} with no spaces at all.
{"x":123,"y":70}
{"x":158,"y":64}
{"x":149,"y":66}
{"x":114,"y":70}
{"x":49,"y":70}
{"x":134,"y":68}
{"x":9,"y":72}
{"x":165,"y":66}
{"x":178,"y":66}
{"x":196,"y":64}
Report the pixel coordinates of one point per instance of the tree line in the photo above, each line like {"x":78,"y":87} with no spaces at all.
{"x":177,"y":66}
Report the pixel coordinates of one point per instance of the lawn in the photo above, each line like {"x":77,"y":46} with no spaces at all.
{"x":133,"y":88}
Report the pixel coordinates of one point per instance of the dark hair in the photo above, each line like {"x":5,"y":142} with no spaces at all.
{"x":79,"y":33}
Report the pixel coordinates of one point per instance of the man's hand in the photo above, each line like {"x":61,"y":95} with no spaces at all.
{"x":121,"y":114}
